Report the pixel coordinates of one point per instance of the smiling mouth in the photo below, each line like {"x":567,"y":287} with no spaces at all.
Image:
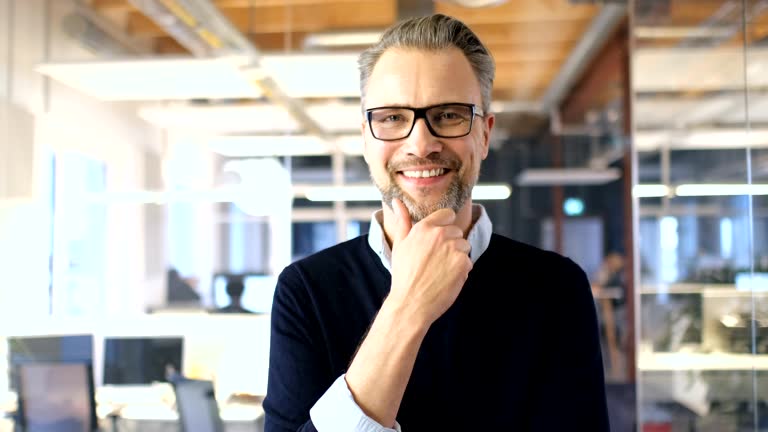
{"x":437,"y":172}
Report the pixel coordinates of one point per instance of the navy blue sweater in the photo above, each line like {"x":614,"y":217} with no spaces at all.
{"x":519,"y":349}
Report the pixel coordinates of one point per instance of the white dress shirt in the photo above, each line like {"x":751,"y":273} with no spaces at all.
{"x":336,"y":410}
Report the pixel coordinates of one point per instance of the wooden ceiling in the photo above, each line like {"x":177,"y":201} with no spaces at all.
{"x":530,"y":39}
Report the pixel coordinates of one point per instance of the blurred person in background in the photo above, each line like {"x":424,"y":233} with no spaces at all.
{"x":235,"y":289}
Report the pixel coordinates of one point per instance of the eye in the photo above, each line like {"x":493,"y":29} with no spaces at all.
{"x":392,"y":118}
{"x":448,"y":115}
{"x":389,"y":117}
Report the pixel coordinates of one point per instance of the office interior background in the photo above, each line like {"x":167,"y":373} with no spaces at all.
{"x":152,"y":149}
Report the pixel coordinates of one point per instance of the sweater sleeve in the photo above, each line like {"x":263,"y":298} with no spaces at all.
{"x":571,"y":392}
{"x":298,"y":371}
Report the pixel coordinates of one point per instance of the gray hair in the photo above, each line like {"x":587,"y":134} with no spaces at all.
{"x":433,"y":33}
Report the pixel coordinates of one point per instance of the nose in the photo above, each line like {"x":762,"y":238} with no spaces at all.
{"x":421,"y":142}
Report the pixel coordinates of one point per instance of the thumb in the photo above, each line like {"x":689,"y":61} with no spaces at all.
{"x":403,"y":222}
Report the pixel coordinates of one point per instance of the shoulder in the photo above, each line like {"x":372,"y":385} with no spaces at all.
{"x":505,"y":249}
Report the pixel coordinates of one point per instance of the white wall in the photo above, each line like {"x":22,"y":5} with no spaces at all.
{"x":66,"y":121}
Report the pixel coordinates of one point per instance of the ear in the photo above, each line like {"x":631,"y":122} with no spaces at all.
{"x":488,"y":121}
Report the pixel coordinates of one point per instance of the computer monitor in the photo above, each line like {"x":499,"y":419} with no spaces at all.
{"x":66,"y":348}
{"x":141,"y":360}
{"x":56,"y":397}
{"x":53,"y":349}
{"x":257,"y":297}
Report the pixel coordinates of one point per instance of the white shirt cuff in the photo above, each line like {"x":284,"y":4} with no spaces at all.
{"x":337,"y":411}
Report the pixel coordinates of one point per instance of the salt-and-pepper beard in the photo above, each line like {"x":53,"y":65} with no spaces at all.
{"x":455,"y":196}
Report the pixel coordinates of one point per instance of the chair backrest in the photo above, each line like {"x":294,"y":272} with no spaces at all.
{"x":198,"y":410}
{"x":56,"y":396}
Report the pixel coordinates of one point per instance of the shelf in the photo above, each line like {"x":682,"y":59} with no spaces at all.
{"x":706,"y":290}
{"x":651,"y":362}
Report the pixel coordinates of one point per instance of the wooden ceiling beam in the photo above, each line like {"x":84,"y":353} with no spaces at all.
{"x":312,"y":18}
{"x":521,"y":12}
{"x":531,"y":33}
{"x":265,"y":42}
{"x":106,"y":5}
{"x":513,"y":55}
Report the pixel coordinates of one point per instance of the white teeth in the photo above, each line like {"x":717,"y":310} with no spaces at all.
{"x":424,"y":173}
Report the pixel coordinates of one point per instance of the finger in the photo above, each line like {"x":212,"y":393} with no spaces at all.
{"x":403,"y":222}
{"x":462,"y":245}
{"x":452,"y":232}
{"x":441,"y":217}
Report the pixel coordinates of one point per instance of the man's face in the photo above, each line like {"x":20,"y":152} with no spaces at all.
{"x":415,"y":78}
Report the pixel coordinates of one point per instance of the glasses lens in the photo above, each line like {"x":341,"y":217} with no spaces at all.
{"x":391,"y":123}
{"x":450,"y":120}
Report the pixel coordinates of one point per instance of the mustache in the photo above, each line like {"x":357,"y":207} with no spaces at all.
{"x":446,"y":161}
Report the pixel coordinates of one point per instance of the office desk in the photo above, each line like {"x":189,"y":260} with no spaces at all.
{"x":237,"y":418}
{"x":156,"y":425}
{"x":173,"y":426}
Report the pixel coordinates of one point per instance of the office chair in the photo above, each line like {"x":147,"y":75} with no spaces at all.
{"x":56,"y":397}
{"x":196,"y":403}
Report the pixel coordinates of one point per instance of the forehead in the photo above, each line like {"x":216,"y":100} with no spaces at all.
{"x":413,"y":77}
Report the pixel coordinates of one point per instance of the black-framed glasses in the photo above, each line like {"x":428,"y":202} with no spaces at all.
{"x":451,"y":120}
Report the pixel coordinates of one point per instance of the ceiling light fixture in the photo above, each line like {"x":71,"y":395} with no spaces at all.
{"x":651,"y":191}
{"x":721,"y":189}
{"x":342,"y":39}
{"x":283,"y":145}
{"x":371,"y":193}
{"x":567,"y":176}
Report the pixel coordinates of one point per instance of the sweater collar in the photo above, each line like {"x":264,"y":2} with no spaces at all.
{"x":479,"y":235}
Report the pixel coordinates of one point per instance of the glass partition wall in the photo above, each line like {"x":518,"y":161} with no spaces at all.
{"x":700,"y":70}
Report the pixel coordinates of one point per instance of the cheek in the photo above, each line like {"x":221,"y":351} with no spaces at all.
{"x":377,"y":158}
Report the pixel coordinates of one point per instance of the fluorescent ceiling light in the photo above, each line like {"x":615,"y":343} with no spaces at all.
{"x":721,"y":189}
{"x":567,"y":176}
{"x":650,"y":190}
{"x":252,"y":118}
{"x":343,"y":193}
{"x":314,"y":75}
{"x":371,"y":193}
{"x":259,"y":118}
{"x":298,"y":75}
{"x":491,"y":192}
{"x":682,"y":32}
{"x":155,"y":79}
{"x":283,"y":145}
{"x":342,"y":39}
{"x":517,"y":107}
{"x":702,"y":139}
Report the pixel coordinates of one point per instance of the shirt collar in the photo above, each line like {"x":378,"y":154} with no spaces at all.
{"x":479,"y":236}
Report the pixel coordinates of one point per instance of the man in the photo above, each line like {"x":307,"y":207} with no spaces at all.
{"x":431,"y":322}
{"x":235,"y":288}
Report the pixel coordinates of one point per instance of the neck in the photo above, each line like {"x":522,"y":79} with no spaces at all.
{"x":463,"y":220}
